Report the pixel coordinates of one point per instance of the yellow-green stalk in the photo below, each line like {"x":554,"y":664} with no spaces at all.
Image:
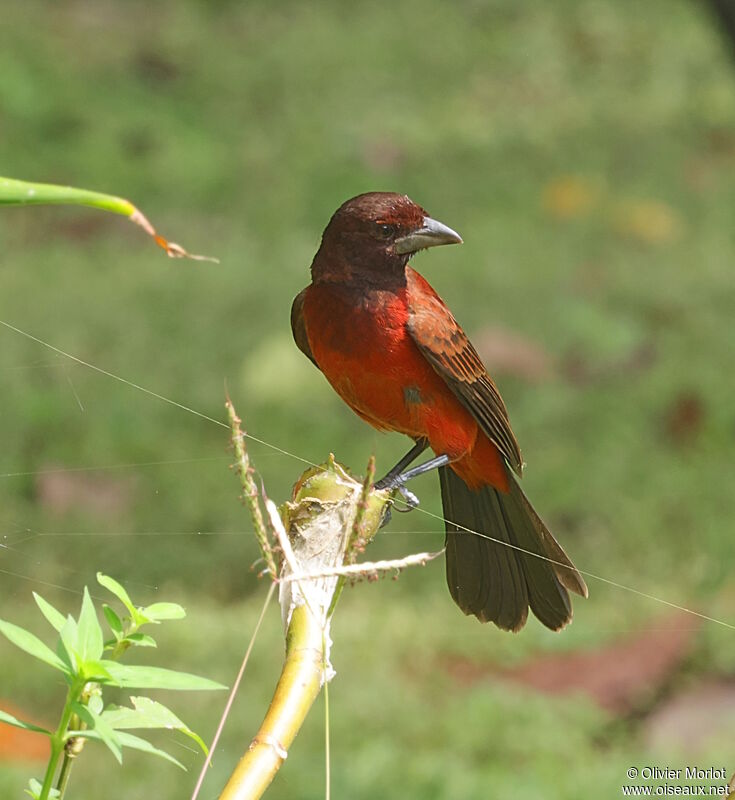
{"x":317,"y":528}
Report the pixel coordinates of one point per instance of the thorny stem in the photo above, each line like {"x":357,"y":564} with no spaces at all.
{"x":249,"y":489}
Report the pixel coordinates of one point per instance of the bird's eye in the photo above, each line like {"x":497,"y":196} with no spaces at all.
{"x":386,"y":231}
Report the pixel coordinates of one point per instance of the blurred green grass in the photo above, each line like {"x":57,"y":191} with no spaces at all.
{"x":239,"y":129}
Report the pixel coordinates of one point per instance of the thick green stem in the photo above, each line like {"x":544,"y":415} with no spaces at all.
{"x":297,"y":688}
{"x":59,"y":736}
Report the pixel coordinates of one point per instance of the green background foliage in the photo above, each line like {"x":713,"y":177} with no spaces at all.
{"x":586,"y":153}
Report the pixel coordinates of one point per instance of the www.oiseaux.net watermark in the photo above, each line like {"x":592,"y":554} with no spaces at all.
{"x":689,"y":781}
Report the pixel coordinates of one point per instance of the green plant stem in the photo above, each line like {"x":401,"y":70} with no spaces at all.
{"x":59,"y":737}
{"x":297,"y":689}
{"x":66,"y":766}
{"x":71,"y":754}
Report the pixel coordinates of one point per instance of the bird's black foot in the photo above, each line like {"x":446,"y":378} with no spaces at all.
{"x":408,"y":497}
{"x":395,"y":483}
{"x":396,"y":479}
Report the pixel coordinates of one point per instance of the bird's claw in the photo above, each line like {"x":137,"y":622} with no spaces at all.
{"x":396,"y":484}
{"x":408,"y":497}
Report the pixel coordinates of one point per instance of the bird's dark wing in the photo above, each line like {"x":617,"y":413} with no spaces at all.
{"x":298,"y":326}
{"x":445,"y":345}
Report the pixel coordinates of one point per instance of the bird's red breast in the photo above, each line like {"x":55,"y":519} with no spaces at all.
{"x":360,"y":337}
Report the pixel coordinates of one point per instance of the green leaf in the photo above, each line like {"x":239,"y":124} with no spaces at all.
{"x":9,"y":719}
{"x":56,"y":618}
{"x":34,"y":790}
{"x":66,"y":657}
{"x":113,"y":586}
{"x":113,"y":620}
{"x":32,"y":645}
{"x":139,"y":677}
{"x":96,"y":723}
{"x":95,"y":671}
{"x":70,"y":640}
{"x":95,"y":703}
{"x":136,"y":743}
{"x":147,"y":713}
{"x":89,"y":633}
{"x":128,"y":740}
{"x":15,"y":192}
{"x":160,"y":611}
{"x":142,"y":640}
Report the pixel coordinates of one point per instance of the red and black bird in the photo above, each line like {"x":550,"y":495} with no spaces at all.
{"x":394,"y":352}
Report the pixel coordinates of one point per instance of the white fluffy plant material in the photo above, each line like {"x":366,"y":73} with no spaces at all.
{"x":317,"y":533}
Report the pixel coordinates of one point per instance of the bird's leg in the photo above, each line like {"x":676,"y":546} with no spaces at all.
{"x":388,"y":480}
{"x":397,"y":480}
{"x":421,"y":469}
{"x":391,"y":479}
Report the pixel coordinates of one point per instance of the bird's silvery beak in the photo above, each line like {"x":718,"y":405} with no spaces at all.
{"x":430,"y":234}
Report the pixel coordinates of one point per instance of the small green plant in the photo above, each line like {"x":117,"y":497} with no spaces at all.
{"x":88,"y":663}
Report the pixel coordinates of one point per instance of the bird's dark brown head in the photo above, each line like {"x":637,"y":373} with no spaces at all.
{"x":371,"y":237}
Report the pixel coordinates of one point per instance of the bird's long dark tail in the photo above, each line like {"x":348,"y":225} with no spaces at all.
{"x":499,"y":573}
